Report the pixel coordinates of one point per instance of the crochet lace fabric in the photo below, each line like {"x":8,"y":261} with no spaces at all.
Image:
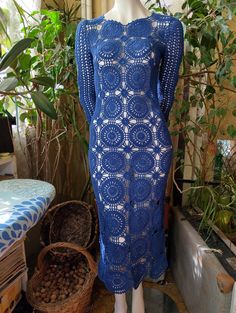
{"x":127,"y":75}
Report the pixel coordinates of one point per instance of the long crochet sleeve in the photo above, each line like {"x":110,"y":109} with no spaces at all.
{"x":170,"y":64}
{"x":85,"y":71}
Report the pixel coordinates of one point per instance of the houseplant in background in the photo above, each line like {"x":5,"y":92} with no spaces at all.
{"x":6,"y":119}
{"x":204,"y":104}
{"x":47,"y":95}
{"x":206,"y":101}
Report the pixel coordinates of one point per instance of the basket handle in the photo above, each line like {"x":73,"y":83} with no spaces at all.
{"x":78,"y":248}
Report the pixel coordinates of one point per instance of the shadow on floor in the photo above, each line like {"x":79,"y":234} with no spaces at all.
{"x":159,"y":298}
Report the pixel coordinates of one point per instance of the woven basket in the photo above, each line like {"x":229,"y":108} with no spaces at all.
{"x":95,"y":227}
{"x":62,"y":216}
{"x":80,"y":301}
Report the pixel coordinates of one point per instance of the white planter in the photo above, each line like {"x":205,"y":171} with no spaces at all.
{"x":196,"y":270}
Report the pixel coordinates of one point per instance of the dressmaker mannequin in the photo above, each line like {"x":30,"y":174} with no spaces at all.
{"x":128,"y":63}
{"x":126,"y":11}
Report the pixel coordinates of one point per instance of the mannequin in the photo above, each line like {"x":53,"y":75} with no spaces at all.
{"x":128,"y":62}
{"x":125,"y":11}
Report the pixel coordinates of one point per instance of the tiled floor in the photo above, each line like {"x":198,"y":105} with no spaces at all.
{"x":158,"y":298}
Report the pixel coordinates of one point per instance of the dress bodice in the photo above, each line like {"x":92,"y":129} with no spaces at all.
{"x":116,"y":60}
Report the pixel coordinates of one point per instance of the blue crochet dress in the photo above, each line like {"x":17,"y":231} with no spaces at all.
{"x":127,"y":75}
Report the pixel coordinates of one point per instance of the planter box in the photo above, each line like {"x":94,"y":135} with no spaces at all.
{"x":199,"y":275}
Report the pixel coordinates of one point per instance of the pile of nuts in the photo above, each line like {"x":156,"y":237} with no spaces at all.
{"x":60,"y":281}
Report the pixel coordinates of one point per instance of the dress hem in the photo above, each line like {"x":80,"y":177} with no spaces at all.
{"x":147,"y":274}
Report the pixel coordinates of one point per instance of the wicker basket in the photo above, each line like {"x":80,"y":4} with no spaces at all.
{"x":62,"y":215}
{"x":80,"y":301}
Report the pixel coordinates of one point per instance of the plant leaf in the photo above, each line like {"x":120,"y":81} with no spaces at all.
{"x":11,"y":55}
{"x":43,"y":80}
{"x":231,"y":130}
{"x":43,"y":104}
{"x":9,"y":83}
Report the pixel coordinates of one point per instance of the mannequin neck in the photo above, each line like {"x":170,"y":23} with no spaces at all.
{"x":127,"y":10}
{"x":130,"y":5}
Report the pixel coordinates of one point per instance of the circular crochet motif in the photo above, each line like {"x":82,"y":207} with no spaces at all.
{"x":117,"y":254}
{"x":112,"y":135}
{"x":142,"y":161}
{"x":112,"y":190}
{"x":112,"y":107}
{"x":139,"y":248}
{"x":110,"y":49}
{"x":111,"y":77}
{"x":115,"y":223}
{"x":139,"y":28}
{"x":138,"y":220}
{"x":140,"y":135}
{"x":137,"y":76}
{"x":137,"y":106}
{"x":128,"y":175}
{"x":137,"y":49}
{"x":111,"y":30}
{"x":140,"y":189}
{"x":113,"y":162}
{"x":117,"y":280}
{"x":162,"y":136}
{"x":165,"y":161}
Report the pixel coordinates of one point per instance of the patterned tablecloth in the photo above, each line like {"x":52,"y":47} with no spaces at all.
{"x":22,"y":203}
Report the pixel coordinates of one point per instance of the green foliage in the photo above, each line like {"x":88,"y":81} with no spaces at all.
{"x":8,"y":84}
{"x":219,"y":203}
{"x":201,"y":109}
{"x":43,"y":80}
{"x":15,"y":51}
{"x":47,"y":97}
{"x":41,"y":65}
{"x":4,"y":18}
{"x":42,"y":103}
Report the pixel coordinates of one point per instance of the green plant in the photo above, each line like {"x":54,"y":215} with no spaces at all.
{"x":218,"y":204}
{"x":205,"y":99}
{"x":19,"y":61}
{"x":4,"y":18}
{"x":47,"y":95}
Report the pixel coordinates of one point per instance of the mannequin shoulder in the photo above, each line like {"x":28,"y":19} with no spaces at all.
{"x":88,"y":29}
{"x":90,"y":22}
{"x":168,"y":22}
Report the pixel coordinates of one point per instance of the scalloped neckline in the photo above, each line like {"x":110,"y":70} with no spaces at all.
{"x":133,"y":21}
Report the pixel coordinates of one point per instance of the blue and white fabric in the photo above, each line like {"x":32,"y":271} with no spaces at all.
{"x":22,"y":203}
